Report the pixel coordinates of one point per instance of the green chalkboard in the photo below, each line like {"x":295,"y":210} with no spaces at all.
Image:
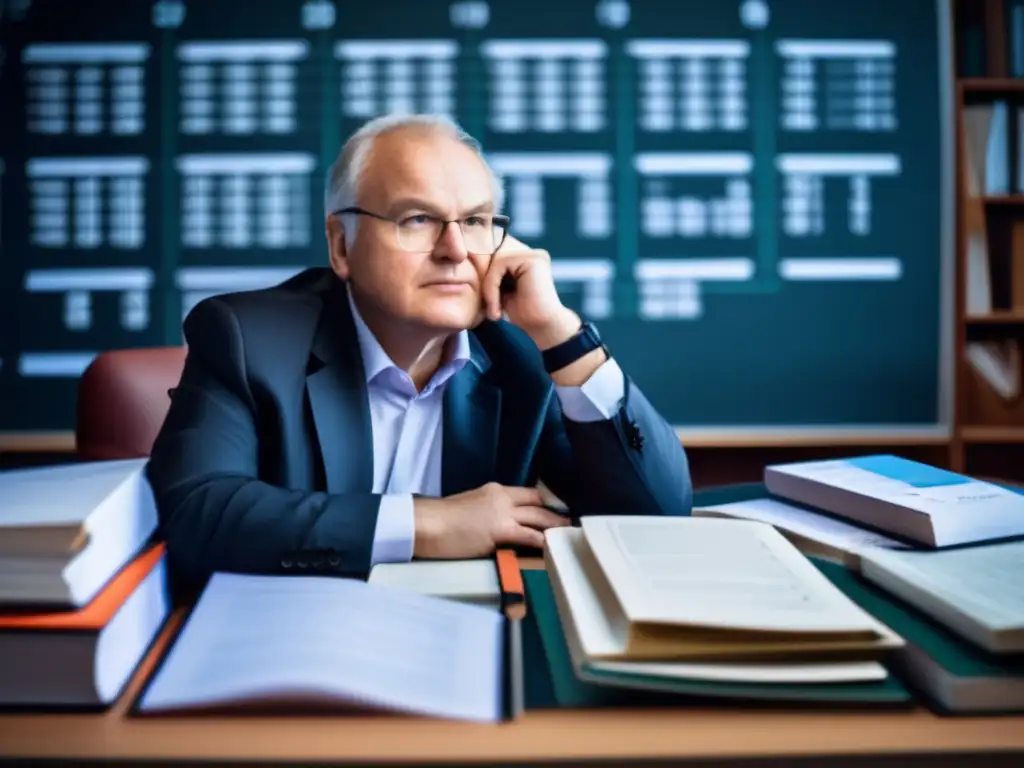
{"x":750,"y":197}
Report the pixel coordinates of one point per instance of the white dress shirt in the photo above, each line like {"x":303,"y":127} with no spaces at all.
{"x":407,"y":428}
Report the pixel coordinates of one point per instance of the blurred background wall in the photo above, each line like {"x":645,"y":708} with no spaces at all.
{"x":755,"y":200}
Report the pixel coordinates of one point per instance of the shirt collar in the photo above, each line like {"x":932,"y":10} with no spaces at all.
{"x":376,"y":360}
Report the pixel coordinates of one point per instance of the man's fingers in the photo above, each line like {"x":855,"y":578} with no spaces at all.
{"x":520,"y":535}
{"x":512,"y":244}
{"x":491,"y":288}
{"x":538,"y":517}
{"x":529,"y":497}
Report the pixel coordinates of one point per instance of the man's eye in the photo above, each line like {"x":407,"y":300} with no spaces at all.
{"x":418,"y":220}
{"x":476,"y":221}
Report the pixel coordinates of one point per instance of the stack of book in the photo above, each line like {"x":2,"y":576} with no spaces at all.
{"x":706,"y":607}
{"x":83,"y":590}
{"x":937,"y":555}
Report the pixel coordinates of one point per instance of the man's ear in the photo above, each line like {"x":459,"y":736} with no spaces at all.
{"x":336,"y":245}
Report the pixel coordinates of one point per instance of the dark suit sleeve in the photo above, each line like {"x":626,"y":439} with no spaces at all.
{"x":214,"y":512}
{"x":632,"y":463}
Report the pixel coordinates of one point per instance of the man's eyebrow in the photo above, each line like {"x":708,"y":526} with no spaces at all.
{"x":418,"y":203}
{"x":487,"y":207}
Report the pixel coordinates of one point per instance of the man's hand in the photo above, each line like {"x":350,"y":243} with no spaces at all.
{"x":534,"y":305}
{"x":475,"y":523}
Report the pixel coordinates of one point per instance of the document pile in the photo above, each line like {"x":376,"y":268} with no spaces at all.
{"x":936,"y":554}
{"x":82,"y":592}
{"x":676,"y":604}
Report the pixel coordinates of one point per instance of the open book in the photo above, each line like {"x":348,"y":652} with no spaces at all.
{"x":324,"y":641}
{"x":707,"y":598}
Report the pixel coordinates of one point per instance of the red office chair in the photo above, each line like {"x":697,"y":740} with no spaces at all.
{"x":123,"y":401}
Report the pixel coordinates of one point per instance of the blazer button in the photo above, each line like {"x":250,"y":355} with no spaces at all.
{"x":334,"y":561}
{"x":636,"y":440}
{"x":286,"y":563}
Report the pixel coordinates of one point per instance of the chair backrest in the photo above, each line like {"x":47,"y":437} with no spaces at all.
{"x":123,"y":398}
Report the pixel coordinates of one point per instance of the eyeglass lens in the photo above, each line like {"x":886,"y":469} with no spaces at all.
{"x":480,"y":234}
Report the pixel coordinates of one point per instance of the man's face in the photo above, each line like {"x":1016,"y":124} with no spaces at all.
{"x":417,"y":173}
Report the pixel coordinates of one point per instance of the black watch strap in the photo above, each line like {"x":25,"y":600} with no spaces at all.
{"x":585,"y":340}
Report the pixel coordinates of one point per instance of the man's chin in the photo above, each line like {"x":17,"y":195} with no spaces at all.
{"x":452,"y":319}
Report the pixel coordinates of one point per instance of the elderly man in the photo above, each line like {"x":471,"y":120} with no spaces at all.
{"x":405,"y":402}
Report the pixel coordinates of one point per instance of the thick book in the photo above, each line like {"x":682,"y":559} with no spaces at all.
{"x":66,"y":530}
{"x":916,"y":502}
{"x":663,"y":603}
{"x":84,"y":658}
{"x":977,"y":592}
{"x":318,"y":642}
{"x":952,"y":674}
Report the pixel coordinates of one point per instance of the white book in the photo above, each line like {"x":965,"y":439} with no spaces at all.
{"x":976,"y":592}
{"x":907,"y":499}
{"x":977,"y":122}
{"x":324,"y":641}
{"x":85,"y":657}
{"x":66,"y":530}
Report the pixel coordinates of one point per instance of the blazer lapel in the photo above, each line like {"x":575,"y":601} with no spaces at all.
{"x":472,"y":408}
{"x":338,"y":399}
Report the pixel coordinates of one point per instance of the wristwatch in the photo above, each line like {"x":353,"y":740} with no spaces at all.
{"x":585,"y":340}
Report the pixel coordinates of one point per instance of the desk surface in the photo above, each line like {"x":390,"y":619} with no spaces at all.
{"x":592,"y":735}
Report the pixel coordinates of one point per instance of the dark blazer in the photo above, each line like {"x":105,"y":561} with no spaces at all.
{"x":265,"y":460}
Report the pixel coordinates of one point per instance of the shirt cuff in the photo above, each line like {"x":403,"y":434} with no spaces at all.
{"x":599,"y":398}
{"x":395,"y":534}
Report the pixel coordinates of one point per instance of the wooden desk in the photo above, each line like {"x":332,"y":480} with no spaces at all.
{"x":596,"y":736}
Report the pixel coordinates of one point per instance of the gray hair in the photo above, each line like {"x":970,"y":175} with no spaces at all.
{"x":346,"y":172}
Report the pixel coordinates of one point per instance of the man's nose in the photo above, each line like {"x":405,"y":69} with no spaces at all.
{"x":451,"y":245}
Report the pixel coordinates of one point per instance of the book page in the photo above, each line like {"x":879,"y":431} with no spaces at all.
{"x":984,"y":581}
{"x":729,"y":574}
{"x":596,"y":631}
{"x":822,"y":528}
{"x":316,"y":639}
{"x":741,"y":672}
{"x":468,"y":580}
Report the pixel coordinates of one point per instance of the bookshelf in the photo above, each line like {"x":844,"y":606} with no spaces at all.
{"x":988,"y":417}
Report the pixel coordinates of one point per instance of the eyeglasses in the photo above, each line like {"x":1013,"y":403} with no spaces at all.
{"x":482,"y":233}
